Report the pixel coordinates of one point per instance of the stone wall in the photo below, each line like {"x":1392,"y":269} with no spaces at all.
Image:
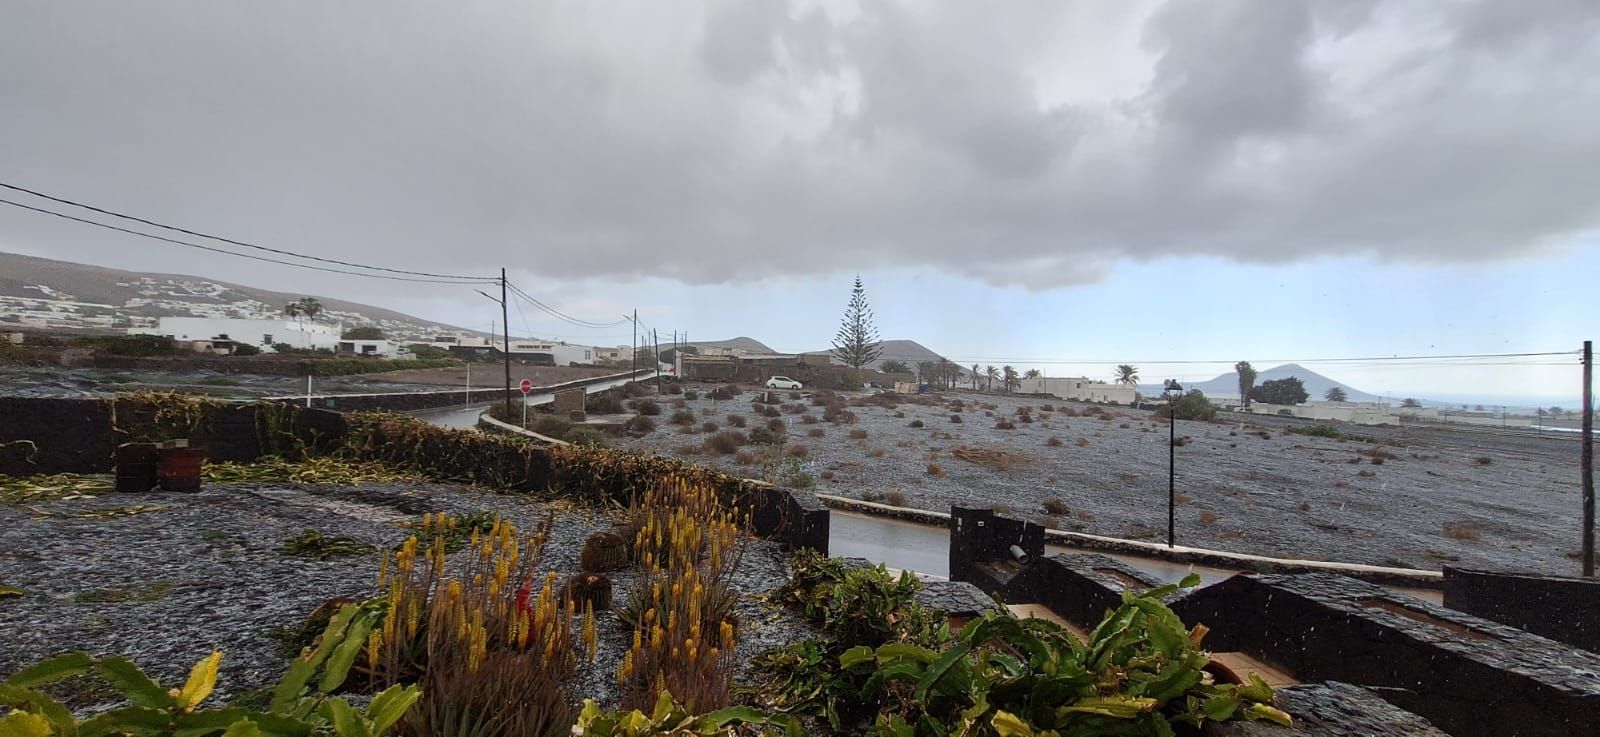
{"x":48,"y":435}
{"x":980,"y":546}
{"x":1558,"y":607}
{"x":1469,"y":676}
{"x":1078,"y":588}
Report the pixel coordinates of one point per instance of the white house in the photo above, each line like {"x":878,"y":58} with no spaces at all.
{"x":1079,"y":388}
{"x":259,"y":333}
{"x":554,"y":352}
{"x":374,"y":348}
{"x":1355,"y":413}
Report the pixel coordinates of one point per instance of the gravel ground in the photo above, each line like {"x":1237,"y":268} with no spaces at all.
{"x":1283,"y":495}
{"x":165,"y":578}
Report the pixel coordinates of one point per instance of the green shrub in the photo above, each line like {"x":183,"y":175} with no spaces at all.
{"x":300,"y":704}
{"x":1193,"y":405}
{"x":1140,"y":672}
{"x":245,"y":349}
{"x":130,"y":345}
{"x":682,"y":417}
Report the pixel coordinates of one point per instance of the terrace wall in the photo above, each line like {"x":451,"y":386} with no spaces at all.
{"x":1469,"y":676}
{"x":1558,"y":607}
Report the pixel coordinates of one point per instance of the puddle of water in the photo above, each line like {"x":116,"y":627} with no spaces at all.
{"x":897,"y":544}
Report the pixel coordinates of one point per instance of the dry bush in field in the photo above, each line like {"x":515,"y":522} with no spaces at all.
{"x":992,"y":458}
{"x":1463,"y":530}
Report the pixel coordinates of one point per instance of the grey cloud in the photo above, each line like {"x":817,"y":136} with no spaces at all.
{"x":733,"y":141}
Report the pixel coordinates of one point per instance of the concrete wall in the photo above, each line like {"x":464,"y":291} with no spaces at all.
{"x":1558,"y":607}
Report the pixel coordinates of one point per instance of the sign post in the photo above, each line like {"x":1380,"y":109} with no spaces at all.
{"x":526,"y":386}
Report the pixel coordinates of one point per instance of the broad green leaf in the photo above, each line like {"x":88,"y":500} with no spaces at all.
{"x":243,"y":728}
{"x":7,"y":592}
{"x":211,"y":721}
{"x":305,"y":665}
{"x":743,"y":714}
{"x":55,"y":712}
{"x":855,"y":656}
{"x":346,"y":722}
{"x":138,"y":720}
{"x":344,"y":656}
{"x":1221,"y":707}
{"x":1121,"y":707}
{"x":134,"y":684}
{"x":61,"y":666}
{"x":390,"y":705}
{"x":1256,"y":690}
{"x":938,"y":669}
{"x":202,"y":680}
{"x":24,"y":724}
{"x":1190,"y":581}
{"x":898,"y":650}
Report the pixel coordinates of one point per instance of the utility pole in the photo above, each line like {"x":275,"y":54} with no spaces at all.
{"x":634,"y":357}
{"x":505,"y":323}
{"x":1588,"y":458}
{"x":656,"y":339}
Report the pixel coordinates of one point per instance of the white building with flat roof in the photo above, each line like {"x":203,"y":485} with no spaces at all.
{"x":259,"y":333}
{"x":1080,"y":388}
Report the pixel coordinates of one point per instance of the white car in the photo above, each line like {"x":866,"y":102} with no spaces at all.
{"x":782,"y":382}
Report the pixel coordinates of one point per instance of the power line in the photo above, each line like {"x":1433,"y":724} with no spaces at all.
{"x":198,"y":234}
{"x":562,"y":315}
{"x":224,"y":251}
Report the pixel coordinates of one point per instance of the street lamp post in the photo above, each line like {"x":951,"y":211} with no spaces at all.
{"x":1170,"y":391}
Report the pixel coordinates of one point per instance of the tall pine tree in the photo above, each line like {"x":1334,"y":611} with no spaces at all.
{"x":857,"y":342}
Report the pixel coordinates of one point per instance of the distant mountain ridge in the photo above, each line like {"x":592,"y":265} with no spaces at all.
{"x":62,"y":294}
{"x":1316,"y":384}
{"x":909,"y":352}
{"x":741,"y":343}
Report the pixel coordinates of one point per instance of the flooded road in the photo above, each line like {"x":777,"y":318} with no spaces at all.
{"x":466,"y":417}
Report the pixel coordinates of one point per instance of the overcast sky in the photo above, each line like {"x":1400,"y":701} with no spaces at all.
{"x":1050,"y":181}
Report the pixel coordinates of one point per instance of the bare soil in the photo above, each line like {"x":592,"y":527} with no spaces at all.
{"x":1416,"y":497}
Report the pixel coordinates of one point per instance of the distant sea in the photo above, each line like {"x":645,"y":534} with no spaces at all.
{"x":1529,"y":402}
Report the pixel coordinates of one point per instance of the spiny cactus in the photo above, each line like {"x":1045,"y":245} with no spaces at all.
{"x":592,"y":590}
{"x":604,"y":551}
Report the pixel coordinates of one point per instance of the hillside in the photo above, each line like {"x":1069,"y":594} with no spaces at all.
{"x":1228,"y":384}
{"x":43,"y":292}
{"x":909,"y":352}
{"x":742,"y":343}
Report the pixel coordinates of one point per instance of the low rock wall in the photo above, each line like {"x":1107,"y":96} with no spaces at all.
{"x":1558,"y":607}
{"x":1469,"y":676}
{"x":49,"y":435}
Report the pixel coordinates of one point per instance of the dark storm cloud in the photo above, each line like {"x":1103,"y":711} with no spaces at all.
{"x":738,"y":140}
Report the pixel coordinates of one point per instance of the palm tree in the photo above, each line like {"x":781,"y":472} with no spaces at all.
{"x":1247,"y":381}
{"x":991,"y":373}
{"x":1335,"y":394}
{"x":976,"y":375}
{"x":1010,"y":375}
{"x":310,"y":307}
{"x":293,"y":310}
{"x":1032,"y":374}
{"x":1409,"y":402}
{"x":1127,"y":375}
{"x":894,"y":367}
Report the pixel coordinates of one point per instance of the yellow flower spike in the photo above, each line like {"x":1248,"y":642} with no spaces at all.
{"x":655,"y":638}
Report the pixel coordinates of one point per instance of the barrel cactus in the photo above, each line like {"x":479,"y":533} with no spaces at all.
{"x":590,"y":589}
{"x":604,"y":551}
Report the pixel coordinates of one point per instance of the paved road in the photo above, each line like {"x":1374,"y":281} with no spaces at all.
{"x":467,"y":416}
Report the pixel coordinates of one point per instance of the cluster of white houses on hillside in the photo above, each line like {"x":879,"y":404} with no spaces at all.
{"x":204,"y":333}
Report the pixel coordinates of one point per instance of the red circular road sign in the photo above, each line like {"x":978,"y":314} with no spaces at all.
{"x":526,"y":386}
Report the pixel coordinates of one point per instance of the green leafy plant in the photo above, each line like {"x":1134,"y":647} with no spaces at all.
{"x":671,"y":719}
{"x":1140,"y":672}
{"x":299,"y":708}
{"x":313,"y":544}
